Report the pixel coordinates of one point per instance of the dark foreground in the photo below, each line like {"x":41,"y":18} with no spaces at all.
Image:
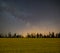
{"x":29,"y":45}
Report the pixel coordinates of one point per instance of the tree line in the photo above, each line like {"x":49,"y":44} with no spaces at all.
{"x":32,"y":35}
{"x":9,"y":35}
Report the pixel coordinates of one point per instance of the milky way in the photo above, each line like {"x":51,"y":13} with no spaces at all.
{"x":23,"y":16}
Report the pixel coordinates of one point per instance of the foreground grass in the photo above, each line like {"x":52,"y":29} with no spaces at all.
{"x":29,"y":45}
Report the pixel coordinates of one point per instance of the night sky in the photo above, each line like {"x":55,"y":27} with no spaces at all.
{"x":29,"y":16}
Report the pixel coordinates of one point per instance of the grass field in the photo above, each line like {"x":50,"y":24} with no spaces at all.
{"x":29,"y":45}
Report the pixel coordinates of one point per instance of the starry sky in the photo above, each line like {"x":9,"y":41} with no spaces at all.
{"x":29,"y":16}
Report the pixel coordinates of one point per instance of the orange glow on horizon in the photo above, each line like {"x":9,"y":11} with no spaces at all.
{"x":37,"y":30}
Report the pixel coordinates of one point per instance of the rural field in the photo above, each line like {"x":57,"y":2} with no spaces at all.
{"x":29,"y":45}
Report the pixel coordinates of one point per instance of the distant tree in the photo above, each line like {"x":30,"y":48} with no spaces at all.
{"x":38,"y":35}
{"x":41,"y":36}
{"x":5,"y":36}
{"x":56,"y":35}
{"x":52,"y":35}
{"x":32,"y":35}
{"x":14,"y":36}
{"x":9,"y":35}
{"x":45,"y":36}
{"x":1,"y":35}
{"x":28,"y":35}
{"x":48,"y":36}
{"x":20,"y":36}
{"x":59,"y":35}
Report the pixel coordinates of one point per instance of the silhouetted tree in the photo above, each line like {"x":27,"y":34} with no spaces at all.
{"x":58,"y":35}
{"x":9,"y":35}
{"x":1,"y":35}
{"x":52,"y":35}
{"x":48,"y":36}
{"x":28,"y":35}
{"x":45,"y":36}
{"x":41,"y":36}
{"x":32,"y":35}
{"x":38,"y":35}
{"x":20,"y":36}
{"x":14,"y":36}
